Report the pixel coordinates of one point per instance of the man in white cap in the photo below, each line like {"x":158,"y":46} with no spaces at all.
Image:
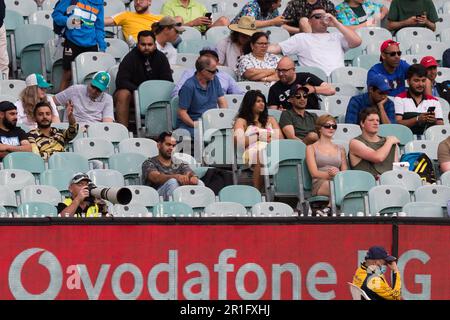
{"x":90,"y":102}
{"x":80,"y":204}
{"x":12,"y":138}
{"x":370,"y":275}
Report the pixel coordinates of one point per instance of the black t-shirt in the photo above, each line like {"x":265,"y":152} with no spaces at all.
{"x":13,"y":137}
{"x":279,"y":92}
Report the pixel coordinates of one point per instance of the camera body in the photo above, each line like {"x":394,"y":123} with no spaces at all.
{"x":114,"y":195}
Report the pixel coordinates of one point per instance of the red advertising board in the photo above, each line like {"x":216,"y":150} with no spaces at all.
{"x":200,"y":261}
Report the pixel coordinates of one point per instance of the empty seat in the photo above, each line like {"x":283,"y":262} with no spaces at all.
{"x":335,"y":105}
{"x":215,"y":34}
{"x":116,"y":48}
{"x":144,"y":146}
{"x":24,"y":160}
{"x":111,"y":131}
{"x":345,"y":89}
{"x":131,"y":210}
{"x":437,"y":132}
{"x":8,"y":198}
{"x":254,"y":85}
{"x":68,"y":161}
{"x":172,"y":209}
{"x":94,"y":148}
{"x":42,"y":17}
{"x":144,"y":195}
{"x":128,"y":164}
{"x":347,"y":131}
{"x":37,"y":209}
{"x":234,"y":100}
{"x":353,"y":75}
{"x":198,"y":197}
{"x":246,"y":195}
{"x":276,"y":34}
{"x":272,"y":209}
{"x":387,"y":199}
{"x":445,"y":178}
{"x":106,"y":177}
{"x":437,"y":194}
{"x":12,"y":87}
{"x":187,"y":59}
{"x":16,"y":179}
{"x":225,"y":209}
{"x":423,"y":209}
{"x":58,"y":178}
{"x":410,"y":180}
{"x":40,"y":193}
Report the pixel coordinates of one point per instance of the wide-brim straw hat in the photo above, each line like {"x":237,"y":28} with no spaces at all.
{"x":246,"y":25}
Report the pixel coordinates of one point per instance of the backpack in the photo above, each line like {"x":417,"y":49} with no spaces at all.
{"x":216,"y":179}
{"x":420,"y":164}
{"x":57,"y":29}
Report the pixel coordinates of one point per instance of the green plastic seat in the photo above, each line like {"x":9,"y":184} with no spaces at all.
{"x":387,"y":199}
{"x":410,"y":180}
{"x":198,"y":197}
{"x":172,"y":209}
{"x":423,"y":209}
{"x":128,"y":164}
{"x":144,"y":146}
{"x":246,"y":195}
{"x":225,"y":209}
{"x":24,"y":160}
{"x":272,"y":209}
{"x":40,"y":193}
{"x":403,"y":133}
{"x":16,"y":179}
{"x":69,"y":161}
{"x":38,"y":209}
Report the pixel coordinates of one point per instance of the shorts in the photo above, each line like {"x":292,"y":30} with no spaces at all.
{"x":71,"y":51}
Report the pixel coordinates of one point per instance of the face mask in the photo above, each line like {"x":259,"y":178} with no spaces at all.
{"x":382,"y":269}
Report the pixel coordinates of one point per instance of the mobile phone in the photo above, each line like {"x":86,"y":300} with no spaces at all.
{"x":431,"y":109}
{"x":418,"y":15}
{"x":208,"y":15}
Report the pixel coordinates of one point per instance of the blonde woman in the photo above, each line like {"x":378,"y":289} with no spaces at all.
{"x":36,"y":91}
{"x":324,"y":159}
{"x":253,"y":129}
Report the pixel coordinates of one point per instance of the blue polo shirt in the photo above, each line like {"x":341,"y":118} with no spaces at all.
{"x":396,"y":79}
{"x":196,"y":99}
{"x":361,"y":102}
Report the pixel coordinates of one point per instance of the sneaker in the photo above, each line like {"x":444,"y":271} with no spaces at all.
{"x":325,"y":212}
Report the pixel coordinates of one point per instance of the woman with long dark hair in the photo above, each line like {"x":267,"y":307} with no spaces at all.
{"x":265,"y":12}
{"x":257,"y":64}
{"x":253,"y":129}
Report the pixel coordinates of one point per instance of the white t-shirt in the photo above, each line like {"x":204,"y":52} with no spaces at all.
{"x":22,"y":117}
{"x":323,"y":50}
{"x":169,"y":51}
{"x":84,"y":109}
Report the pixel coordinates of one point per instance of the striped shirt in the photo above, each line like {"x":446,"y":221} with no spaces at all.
{"x":45,"y":146}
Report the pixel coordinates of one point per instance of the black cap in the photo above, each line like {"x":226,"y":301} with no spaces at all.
{"x":295,"y":88}
{"x":209,"y":50}
{"x":378,"y":252}
{"x":7,"y":105}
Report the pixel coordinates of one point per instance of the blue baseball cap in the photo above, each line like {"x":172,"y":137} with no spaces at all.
{"x":380,"y":82}
{"x":101,"y":80}
{"x":378,"y":252}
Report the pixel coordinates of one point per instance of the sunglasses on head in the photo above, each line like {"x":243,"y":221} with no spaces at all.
{"x":393,"y":53}
{"x":330,"y":126}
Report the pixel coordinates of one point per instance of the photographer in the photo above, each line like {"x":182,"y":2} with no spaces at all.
{"x":369,"y":276}
{"x":80,"y":204}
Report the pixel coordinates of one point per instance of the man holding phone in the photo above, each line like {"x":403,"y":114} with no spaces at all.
{"x":414,"y":108}
{"x":412,"y":13}
{"x":192,"y":14}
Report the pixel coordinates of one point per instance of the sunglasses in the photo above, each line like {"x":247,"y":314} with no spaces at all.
{"x":299,"y":96}
{"x":212,"y":71}
{"x":393,"y":53}
{"x":317,"y":16}
{"x":284,"y":70}
{"x":330,"y":126}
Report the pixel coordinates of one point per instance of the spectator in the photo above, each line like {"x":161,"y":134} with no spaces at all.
{"x":437,"y":89}
{"x":257,"y":64}
{"x":412,"y":13}
{"x":279,"y":91}
{"x":12,"y":138}
{"x":46,"y":140}
{"x":361,"y":13}
{"x":80,"y":204}
{"x":297,"y":13}
{"x":142,"y":63}
{"x":90,"y":102}
{"x":200,"y":93}
{"x":414,"y":108}
{"x":370,"y":275}
{"x":192,"y":14}
{"x":324,"y":159}
{"x":4,"y":59}
{"x":391,"y":66}
{"x":378,"y":87}
{"x":320,"y":48}
{"x":296,"y":122}
{"x":162,"y":174}
{"x":134,"y":22}
{"x":444,"y":153}
{"x":253,"y":129}
{"x":84,"y":32}
{"x":229,"y":85}
{"x":231,"y":48}
{"x":265,"y":13}
{"x":166,"y":31}
{"x":370,"y":152}
{"x":35,"y":91}
{"x":446,"y":58}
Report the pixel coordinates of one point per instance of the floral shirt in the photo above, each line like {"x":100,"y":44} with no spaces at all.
{"x":253,"y":9}
{"x":249,"y":61}
{"x":348,"y":17}
{"x":297,"y":9}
